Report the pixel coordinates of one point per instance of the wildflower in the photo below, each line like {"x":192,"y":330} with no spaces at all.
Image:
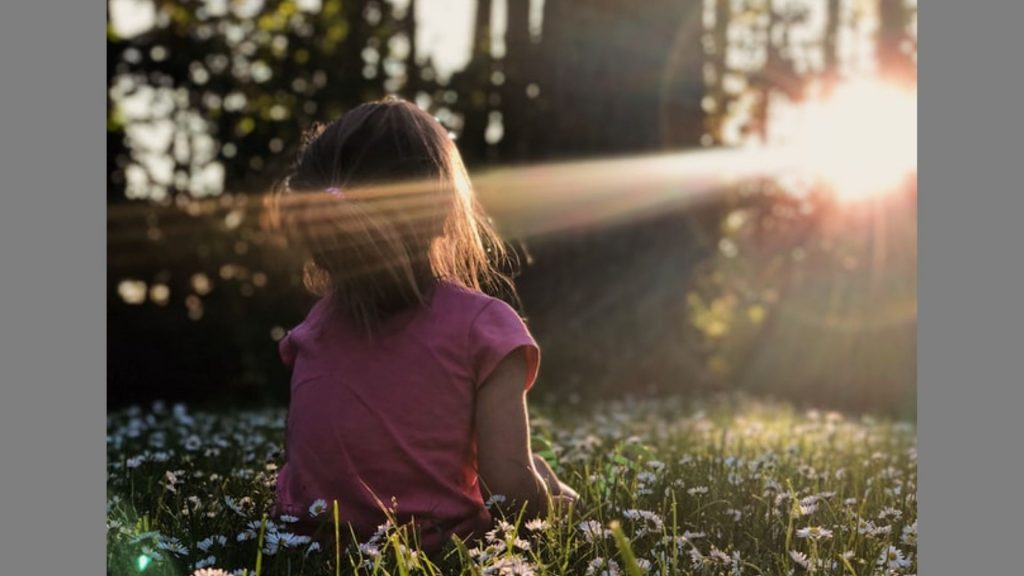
{"x":593,"y":530}
{"x":807,"y":509}
{"x":503,"y":528}
{"x":537,"y":525}
{"x":192,"y":443}
{"x":521,"y":544}
{"x":889,"y":512}
{"x":869,"y":528}
{"x":289,"y":540}
{"x":494,"y":499}
{"x":205,"y":562}
{"x":206,"y":543}
{"x":815,"y":533}
{"x":651,"y":521}
{"x":210,"y":572}
{"x":368,"y":549}
{"x":135,"y":461}
{"x":893,"y":558}
{"x":233,"y":505}
{"x":909,"y":534}
{"x":287,"y":518}
{"x":509,"y":566}
{"x":317,"y":508}
{"x":720,"y":556}
{"x":697,"y":559}
{"x":173,"y":546}
{"x":602,"y":567}
{"x":697,"y":490}
{"x":800,"y":558}
{"x":271,"y":543}
{"x":313,"y":547}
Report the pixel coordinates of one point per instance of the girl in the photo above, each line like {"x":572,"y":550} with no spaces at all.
{"x":409,"y":382}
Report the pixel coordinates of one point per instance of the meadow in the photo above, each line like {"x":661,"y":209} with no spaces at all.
{"x":731,"y":486}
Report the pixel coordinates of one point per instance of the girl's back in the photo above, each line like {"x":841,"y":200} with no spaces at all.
{"x":388,"y":421}
{"x":406,"y":394}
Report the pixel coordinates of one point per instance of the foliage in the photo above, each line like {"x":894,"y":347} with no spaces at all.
{"x":207,"y":106}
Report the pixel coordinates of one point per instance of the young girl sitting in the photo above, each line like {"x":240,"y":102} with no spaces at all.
{"x":409,"y":382}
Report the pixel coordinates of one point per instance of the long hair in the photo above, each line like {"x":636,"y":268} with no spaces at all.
{"x":381,"y":207}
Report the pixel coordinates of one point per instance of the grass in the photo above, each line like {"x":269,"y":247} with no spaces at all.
{"x":728,"y":487}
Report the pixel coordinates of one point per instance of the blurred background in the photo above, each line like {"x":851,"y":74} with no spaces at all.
{"x":707,"y":195}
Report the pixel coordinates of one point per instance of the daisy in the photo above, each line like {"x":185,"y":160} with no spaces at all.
{"x":893,"y":558}
{"x":697,"y":490}
{"x":602,"y":567}
{"x":509,"y":566}
{"x":909,"y":536}
{"x":815,"y":533}
{"x":537,"y":525}
{"x":233,"y":505}
{"x":173,"y":546}
{"x":289,"y":540}
{"x":210,"y":572}
{"x":494,"y":499}
{"x":800,"y":558}
{"x":317,"y":508}
{"x":593,"y":530}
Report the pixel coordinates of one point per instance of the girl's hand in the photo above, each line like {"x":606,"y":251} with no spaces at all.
{"x":565,"y":490}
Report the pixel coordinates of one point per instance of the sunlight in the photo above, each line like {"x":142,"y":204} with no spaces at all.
{"x":862,"y":139}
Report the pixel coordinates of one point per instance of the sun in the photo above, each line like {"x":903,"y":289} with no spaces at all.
{"x":862,"y":138}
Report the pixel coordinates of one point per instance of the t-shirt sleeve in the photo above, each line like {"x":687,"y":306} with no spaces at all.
{"x":497,"y":332}
{"x":286,"y":350}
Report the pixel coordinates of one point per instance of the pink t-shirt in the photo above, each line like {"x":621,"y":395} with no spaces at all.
{"x":390,"y":420}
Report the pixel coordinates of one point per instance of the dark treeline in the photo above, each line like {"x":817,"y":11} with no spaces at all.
{"x":198,"y":292}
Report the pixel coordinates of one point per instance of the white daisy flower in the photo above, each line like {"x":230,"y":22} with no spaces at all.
{"x":289,"y":540}
{"x":593,"y":530}
{"x":173,"y":546}
{"x":893,"y":558}
{"x":815,"y":533}
{"x":211,"y":572}
{"x":697,"y":490}
{"x":602,"y":567}
{"x":192,"y":443}
{"x":800,"y":558}
{"x":909,"y":534}
{"x":537,"y":525}
{"x":494,"y":499}
{"x":317,"y":508}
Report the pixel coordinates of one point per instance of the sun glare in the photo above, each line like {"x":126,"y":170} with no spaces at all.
{"x":862,"y":138}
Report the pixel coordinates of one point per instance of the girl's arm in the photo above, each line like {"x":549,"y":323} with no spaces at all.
{"x":506,"y":463}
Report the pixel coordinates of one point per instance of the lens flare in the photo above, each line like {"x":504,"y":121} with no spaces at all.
{"x":862,"y":139}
